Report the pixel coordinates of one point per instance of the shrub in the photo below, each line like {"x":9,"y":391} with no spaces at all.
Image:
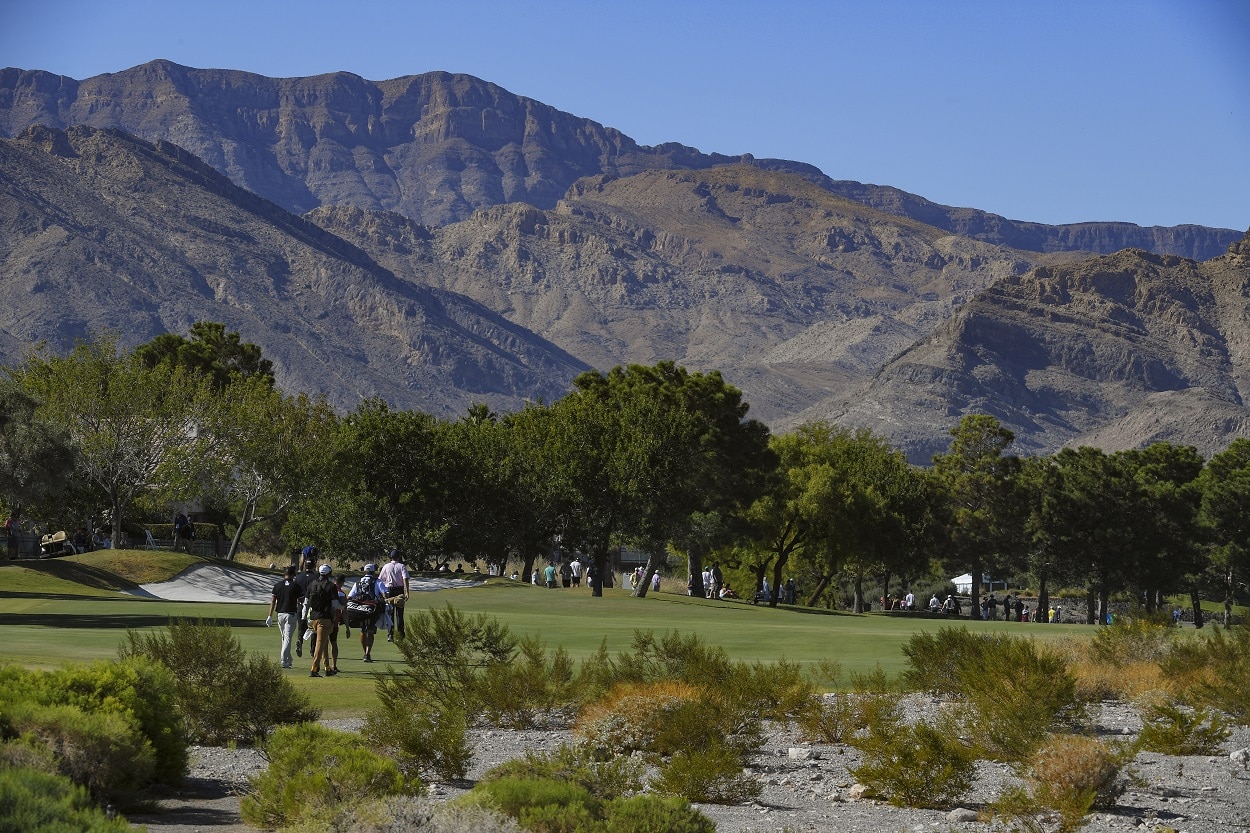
{"x":424,"y":740}
{"x":136,"y":687}
{"x":933,"y":659}
{"x":31,"y":800}
{"x":916,"y":765}
{"x":652,"y":814}
{"x":222,"y":693}
{"x":836,"y":716}
{"x":104,"y":752}
{"x":539,"y":804}
{"x":642,"y":717}
{"x":1014,"y":693}
{"x":312,"y":770}
{"x":1213,"y":671}
{"x":1132,"y":639}
{"x":518,"y":693}
{"x":1067,"y":777}
{"x":1170,"y":729}
{"x":603,"y":777}
{"x":711,"y":774}
{"x":408,"y":814}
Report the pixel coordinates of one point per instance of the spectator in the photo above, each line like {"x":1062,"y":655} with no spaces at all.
{"x":394,"y":578}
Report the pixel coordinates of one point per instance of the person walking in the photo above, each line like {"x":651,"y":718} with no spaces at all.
{"x":340,"y":609}
{"x":304,"y":579}
{"x":394,"y":578}
{"x":284,"y":601}
{"x":575,"y":566}
{"x":321,"y":596}
{"x":549,"y":576}
{"x":366,"y":592}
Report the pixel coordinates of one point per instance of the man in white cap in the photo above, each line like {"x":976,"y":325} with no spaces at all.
{"x":321,"y":596}
{"x":368,"y":590}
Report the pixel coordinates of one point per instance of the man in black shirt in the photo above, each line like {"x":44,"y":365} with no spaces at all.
{"x":306,"y":577}
{"x":285,"y":602}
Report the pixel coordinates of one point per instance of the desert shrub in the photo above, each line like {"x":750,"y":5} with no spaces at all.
{"x":603,"y":776}
{"x":40,"y":802}
{"x":1014,"y":693}
{"x":139,"y":696}
{"x":653,"y":814}
{"x":642,"y":717}
{"x":539,"y":804}
{"x":836,"y":716}
{"x":672,"y":657}
{"x":1213,"y":671}
{"x":1066,"y":778}
{"x":933,"y":659}
{"x":914,"y":765}
{"x":1130,"y":639}
{"x":312,"y":770}
{"x":1170,"y":729}
{"x":423,"y":739}
{"x":104,"y":752}
{"x":138,"y":688}
{"x":516,"y":694}
{"x":223,"y":694}
{"x":410,"y":814}
{"x":711,"y":774}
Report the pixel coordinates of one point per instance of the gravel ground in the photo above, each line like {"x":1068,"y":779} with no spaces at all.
{"x":806,"y":787}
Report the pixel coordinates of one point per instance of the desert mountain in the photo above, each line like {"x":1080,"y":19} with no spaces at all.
{"x":102,"y":230}
{"x":459,"y":243}
{"x":1114,"y":351}
{"x":791,"y":291}
{"x":435,"y":147}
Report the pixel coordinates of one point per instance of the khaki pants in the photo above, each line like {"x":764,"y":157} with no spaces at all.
{"x":321,"y":656}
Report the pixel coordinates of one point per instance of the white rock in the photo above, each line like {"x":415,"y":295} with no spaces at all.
{"x":960,"y":815}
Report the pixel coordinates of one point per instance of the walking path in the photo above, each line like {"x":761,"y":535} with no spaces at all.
{"x":223,"y":583}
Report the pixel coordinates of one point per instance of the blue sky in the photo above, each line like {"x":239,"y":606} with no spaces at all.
{"x":1054,"y":112}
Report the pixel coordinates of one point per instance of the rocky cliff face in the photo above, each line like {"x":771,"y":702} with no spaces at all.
{"x":436,"y":147}
{"x":1113,"y":351}
{"x":101,"y":230}
{"x":786,"y":288}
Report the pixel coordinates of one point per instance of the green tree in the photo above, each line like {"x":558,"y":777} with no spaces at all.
{"x":984,"y":509}
{"x":131,"y":425}
{"x":1225,"y":513}
{"x":210,"y":351}
{"x":262,"y":452}
{"x":36,"y":458}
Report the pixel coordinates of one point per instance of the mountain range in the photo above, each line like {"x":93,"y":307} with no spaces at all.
{"x":436,"y":240}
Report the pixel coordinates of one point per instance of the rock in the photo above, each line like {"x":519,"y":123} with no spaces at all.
{"x":1241,"y":758}
{"x":802,"y":753}
{"x":858,"y":791}
{"x":961,"y":815}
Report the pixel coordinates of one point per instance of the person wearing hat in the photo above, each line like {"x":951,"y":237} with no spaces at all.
{"x":394,"y":577}
{"x":321,"y":596}
{"x":367,"y":589}
{"x":307,"y":575}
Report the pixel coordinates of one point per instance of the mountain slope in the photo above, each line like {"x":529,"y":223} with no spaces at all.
{"x":100,"y":230}
{"x":435,"y":147}
{"x":791,"y":291}
{"x":1114,"y":351}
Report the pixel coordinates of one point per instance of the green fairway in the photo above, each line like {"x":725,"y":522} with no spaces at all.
{"x":57,"y":619}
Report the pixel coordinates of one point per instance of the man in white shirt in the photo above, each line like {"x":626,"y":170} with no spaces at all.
{"x":394,"y":578}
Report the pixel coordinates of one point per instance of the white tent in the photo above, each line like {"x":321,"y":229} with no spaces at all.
{"x":963,"y":584}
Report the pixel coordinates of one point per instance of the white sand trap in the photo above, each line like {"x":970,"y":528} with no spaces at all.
{"x":222,"y":583}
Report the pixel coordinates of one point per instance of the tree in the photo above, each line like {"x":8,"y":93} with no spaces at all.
{"x":1167,"y":476}
{"x":131,"y":425}
{"x":392,"y":485}
{"x":979,"y":479}
{"x":36,"y":458}
{"x":262,"y":451}
{"x":1225,"y":514}
{"x":210,"y":351}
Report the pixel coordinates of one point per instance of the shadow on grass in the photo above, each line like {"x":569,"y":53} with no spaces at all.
{"x":77,"y":621}
{"x":83,"y":574}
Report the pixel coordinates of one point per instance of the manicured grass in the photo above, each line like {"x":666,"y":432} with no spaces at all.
{"x":54,"y":620}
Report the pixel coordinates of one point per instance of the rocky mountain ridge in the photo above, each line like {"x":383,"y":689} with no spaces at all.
{"x":101,"y":230}
{"x":459,"y":244}
{"x":437,"y":146}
